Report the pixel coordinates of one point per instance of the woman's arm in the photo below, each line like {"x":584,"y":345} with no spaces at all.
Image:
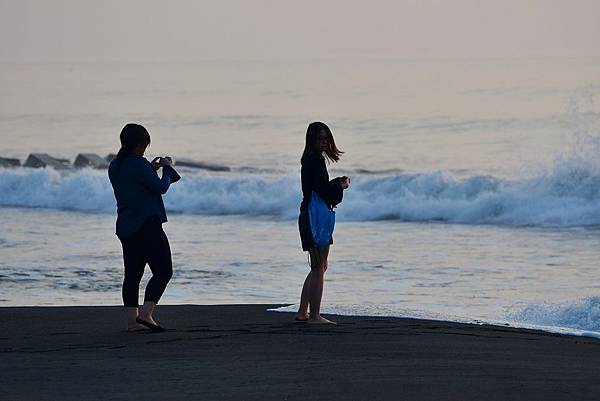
{"x":174,"y":174}
{"x":149,"y":178}
{"x":330,"y":191}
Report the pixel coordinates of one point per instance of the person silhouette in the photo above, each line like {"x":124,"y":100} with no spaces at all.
{"x":319,"y":144}
{"x":140,"y":213}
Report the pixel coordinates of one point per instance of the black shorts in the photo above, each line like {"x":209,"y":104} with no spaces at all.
{"x":305,"y":234}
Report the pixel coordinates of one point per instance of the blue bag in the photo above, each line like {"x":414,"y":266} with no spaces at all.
{"x":322,"y":221}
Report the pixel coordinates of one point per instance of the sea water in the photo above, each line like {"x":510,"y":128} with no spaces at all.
{"x":475,"y":184}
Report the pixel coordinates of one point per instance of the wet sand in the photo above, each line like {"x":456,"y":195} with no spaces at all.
{"x":243,"y":352}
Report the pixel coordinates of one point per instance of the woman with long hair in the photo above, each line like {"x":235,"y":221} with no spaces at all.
{"x":319,"y":145}
{"x":140,"y":214}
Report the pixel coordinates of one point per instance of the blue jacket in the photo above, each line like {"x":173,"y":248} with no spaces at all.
{"x":138,"y":191}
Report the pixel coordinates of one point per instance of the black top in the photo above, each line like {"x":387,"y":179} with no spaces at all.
{"x":315,"y":178}
{"x":138,"y":191}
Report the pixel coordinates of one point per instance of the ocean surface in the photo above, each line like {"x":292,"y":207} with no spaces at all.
{"x":475,"y":184}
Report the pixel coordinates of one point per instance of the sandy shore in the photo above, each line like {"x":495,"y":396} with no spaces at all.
{"x":243,"y":352}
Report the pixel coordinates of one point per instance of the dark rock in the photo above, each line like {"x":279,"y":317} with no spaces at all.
{"x":7,"y":162}
{"x":200,"y":165}
{"x":38,"y":160}
{"x":90,"y":160}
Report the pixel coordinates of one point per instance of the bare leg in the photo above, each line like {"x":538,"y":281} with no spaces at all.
{"x":302,"y":314}
{"x":315,"y":286}
{"x":132,"y":314}
{"x":147,"y":312}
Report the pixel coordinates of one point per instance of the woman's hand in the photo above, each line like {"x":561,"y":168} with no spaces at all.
{"x":345,"y":182}
{"x":155,"y":163}
{"x":159,"y":162}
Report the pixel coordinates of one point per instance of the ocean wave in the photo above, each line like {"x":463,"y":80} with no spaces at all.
{"x":581,"y":314}
{"x":567,"y":196}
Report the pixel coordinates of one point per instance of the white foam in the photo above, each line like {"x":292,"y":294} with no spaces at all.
{"x":85,"y":190}
{"x":580,"y":314}
{"x":567,"y":196}
{"x":579,"y":318}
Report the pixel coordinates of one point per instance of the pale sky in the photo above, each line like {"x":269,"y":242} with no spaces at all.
{"x":160,"y":30}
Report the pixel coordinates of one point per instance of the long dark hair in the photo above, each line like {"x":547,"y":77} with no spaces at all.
{"x":131,"y":136}
{"x":313,"y":134}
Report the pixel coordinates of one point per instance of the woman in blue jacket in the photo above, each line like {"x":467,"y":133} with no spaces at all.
{"x":140,"y":214}
{"x":319,"y":144}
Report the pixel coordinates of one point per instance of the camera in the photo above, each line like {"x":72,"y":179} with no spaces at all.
{"x":347,"y":179}
{"x":162,"y":161}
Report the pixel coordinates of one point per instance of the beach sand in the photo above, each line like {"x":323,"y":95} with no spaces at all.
{"x":243,"y":352}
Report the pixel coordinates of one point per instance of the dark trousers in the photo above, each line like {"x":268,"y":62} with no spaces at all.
{"x":149,"y":245}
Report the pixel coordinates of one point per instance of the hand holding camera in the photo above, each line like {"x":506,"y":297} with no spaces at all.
{"x":158,"y":162}
{"x":345,"y":182}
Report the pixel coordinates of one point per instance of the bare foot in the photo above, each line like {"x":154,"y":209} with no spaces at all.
{"x":320,"y":320}
{"x":149,"y":319}
{"x":149,"y":322}
{"x":301,"y":317}
{"x":136,"y":327}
